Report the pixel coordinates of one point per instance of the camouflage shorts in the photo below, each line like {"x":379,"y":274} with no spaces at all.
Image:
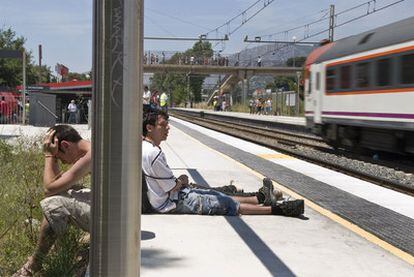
{"x":73,"y":206}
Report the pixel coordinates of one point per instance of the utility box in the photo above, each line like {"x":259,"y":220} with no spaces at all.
{"x":44,"y":109}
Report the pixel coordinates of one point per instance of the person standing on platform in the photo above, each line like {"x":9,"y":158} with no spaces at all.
{"x":72,"y":109}
{"x":154,"y":101}
{"x":5,"y":111}
{"x":268,"y":106}
{"x":146,"y":97}
{"x":168,"y":194}
{"x":66,"y":202}
{"x":164,"y":102}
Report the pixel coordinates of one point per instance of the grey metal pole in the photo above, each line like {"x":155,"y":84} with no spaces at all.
{"x":244,"y":91}
{"x":331,"y":22}
{"x":117,"y":104}
{"x":24,"y":88}
{"x":297,"y":94}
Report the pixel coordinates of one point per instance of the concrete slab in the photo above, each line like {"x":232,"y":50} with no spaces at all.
{"x":184,"y":245}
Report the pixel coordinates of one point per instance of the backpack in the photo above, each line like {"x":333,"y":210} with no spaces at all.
{"x":146,"y":207}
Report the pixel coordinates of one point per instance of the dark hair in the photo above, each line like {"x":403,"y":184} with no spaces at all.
{"x":66,"y":132}
{"x":150,"y":117}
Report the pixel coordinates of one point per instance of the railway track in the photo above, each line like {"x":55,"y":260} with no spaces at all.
{"x":313,"y":149}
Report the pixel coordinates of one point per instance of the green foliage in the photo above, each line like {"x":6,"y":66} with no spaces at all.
{"x":11,"y":73}
{"x":177,"y":83}
{"x":200,"y":49}
{"x":282,"y":83}
{"x":79,"y":76}
{"x":239,"y":107}
{"x":69,"y":256}
{"x":21,"y":190}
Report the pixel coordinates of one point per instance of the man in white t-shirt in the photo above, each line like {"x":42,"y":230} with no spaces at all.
{"x":72,"y":109}
{"x":168,"y":194}
{"x":146,"y":97}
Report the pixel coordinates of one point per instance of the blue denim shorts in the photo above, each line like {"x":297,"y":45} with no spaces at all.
{"x":205,"y":202}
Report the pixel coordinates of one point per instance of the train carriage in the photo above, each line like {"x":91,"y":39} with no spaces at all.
{"x":359,"y":91}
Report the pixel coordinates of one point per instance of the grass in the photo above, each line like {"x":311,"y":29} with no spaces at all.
{"x":21,"y":167}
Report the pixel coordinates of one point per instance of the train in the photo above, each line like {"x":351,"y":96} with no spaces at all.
{"x":359,"y":90}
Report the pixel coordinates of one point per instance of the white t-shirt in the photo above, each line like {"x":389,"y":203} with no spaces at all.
{"x":154,"y":164}
{"x":72,"y":107}
{"x":146,"y":97}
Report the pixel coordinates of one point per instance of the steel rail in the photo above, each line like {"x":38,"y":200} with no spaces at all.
{"x":290,"y":147}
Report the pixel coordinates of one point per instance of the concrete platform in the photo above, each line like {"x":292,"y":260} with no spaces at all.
{"x":184,"y":245}
{"x":289,"y":120}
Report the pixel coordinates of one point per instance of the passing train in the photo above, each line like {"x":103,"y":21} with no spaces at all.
{"x":359,"y":91}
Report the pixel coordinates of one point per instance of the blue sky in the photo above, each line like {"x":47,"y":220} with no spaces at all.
{"x":64,"y":28}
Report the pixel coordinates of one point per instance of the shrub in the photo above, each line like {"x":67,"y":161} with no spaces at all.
{"x":21,"y":189}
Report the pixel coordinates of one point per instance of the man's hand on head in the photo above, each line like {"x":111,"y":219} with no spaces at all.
{"x":50,"y":144}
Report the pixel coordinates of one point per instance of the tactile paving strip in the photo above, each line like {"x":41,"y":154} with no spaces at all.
{"x":384,"y":223}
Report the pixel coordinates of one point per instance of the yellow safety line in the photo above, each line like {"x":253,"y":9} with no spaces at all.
{"x":350,"y":226}
{"x":275,"y":156}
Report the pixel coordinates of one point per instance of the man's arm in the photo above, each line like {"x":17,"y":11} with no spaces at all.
{"x":69,"y":178}
{"x":50,"y":148}
{"x":180,"y":182}
{"x":53,"y":181}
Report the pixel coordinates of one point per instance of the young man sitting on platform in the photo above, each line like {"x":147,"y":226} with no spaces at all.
{"x":168,"y":194}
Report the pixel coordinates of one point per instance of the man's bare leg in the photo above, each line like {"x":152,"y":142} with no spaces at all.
{"x":252,"y":209}
{"x":47,"y":238}
{"x":248,"y":200}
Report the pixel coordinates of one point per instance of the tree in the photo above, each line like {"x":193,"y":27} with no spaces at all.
{"x":10,"y":69}
{"x":297,"y":61}
{"x":79,"y":76}
{"x":201,"y":50}
{"x":11,"y":73}
{"x":177,"y":83}
{"x":283,"y":83}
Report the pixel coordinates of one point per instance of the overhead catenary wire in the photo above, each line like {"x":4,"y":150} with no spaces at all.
{"x":368,"y":12}
{"x":324,"y":18}
{"x":244,"y":20}
{"x":178,"y":19}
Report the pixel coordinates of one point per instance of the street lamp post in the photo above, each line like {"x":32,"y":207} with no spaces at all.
{"x":294,"y":45}
{"x":298,"y":74}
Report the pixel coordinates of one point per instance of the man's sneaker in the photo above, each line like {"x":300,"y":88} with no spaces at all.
{"x":289,"y":208}
{"x":266,"y":191}
{"x":270,"y":194}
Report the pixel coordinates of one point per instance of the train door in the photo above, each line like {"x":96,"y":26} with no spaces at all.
{"x":317,"y":92}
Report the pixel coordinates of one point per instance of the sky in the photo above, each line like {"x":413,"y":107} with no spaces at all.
{"x":64,"y":28}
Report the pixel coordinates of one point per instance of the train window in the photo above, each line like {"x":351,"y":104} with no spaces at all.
{"x":383,"y":72}
{"x":330,"y":79}
{"x":345,"y":77}
{"x":318,"y":81}
{"x":407,"y":69}
{"x":310,"y":84}
{"x":362,"y":75}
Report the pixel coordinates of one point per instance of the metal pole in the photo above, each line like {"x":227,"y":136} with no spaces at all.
{"x":117,"y":104}
{"x":40,"y":63}
{"x":244,"y":91}
{"x":24,"y":88}
{"x":297,"y":93}
{"x":331,"y":22}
